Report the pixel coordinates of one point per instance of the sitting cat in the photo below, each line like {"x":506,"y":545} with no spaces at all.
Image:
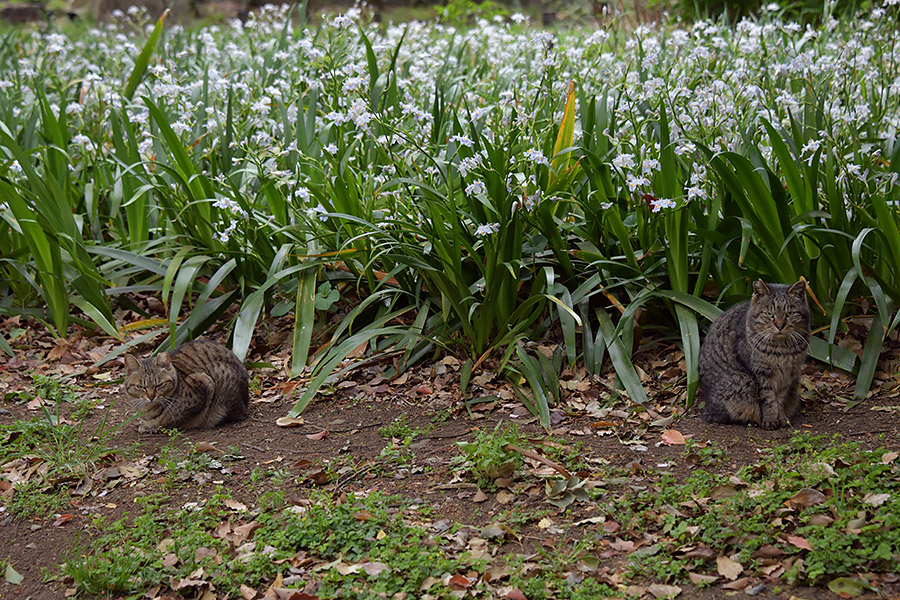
{"x":751,"y":359}
{"x":199,"y":384}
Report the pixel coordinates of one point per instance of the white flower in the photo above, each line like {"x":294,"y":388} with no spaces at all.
{"x":624,"y":161}
{"x":685,"y":148}
{"x":488,"y":229}
{"x":342,"y":22}
{"x":633,"y":182}
{"x":336,"y":117}
{"x":606,"y":205}
{"x":358,"y":113}
{"x":660,"y":203}
{"x":73,"y":108}
{"x":476,"y":188}
{"x":180,"y":127}
{"x":462,"y":140}
{"x":83,"y":141}
{"x":302,"y":194}
{"x":331,"y":149}
{"x":650,"y":165}
{"x":468,"y":164}
{"x":695,"y":192}
{"x":317,"y":211}
{"x":537,"y":157}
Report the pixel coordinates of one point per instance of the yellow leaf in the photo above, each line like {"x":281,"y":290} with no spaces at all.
{"x":565,"y":136}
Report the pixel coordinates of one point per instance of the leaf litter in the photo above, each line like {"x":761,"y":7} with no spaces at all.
{"x":605,"y":474}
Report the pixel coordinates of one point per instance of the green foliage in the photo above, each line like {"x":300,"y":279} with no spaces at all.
{"x":129,"y":556}
{"x":486,"y":458}
{"x":464,"y":12}
{"x":837,"y":497}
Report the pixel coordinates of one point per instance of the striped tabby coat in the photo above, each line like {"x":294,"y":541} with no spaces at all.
{"x":751,"y":359}
{"x":199,"y":384}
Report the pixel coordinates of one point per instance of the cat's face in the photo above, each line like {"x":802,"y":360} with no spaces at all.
{"x":779,"y":313}
{"x":150,"y":380}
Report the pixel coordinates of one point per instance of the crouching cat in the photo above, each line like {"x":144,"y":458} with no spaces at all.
{"x":751,"y":359}
{"x":199,"y":384}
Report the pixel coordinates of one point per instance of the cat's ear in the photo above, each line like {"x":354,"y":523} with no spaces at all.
{"x":760,"y":289}
{"x":798,"y":289}
{"x":131,"y":364}
{"x":162,"y":360}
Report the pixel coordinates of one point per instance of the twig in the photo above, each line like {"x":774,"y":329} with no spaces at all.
{"x":540,"y":458}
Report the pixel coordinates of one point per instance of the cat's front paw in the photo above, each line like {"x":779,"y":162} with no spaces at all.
{"x":776,"y":421}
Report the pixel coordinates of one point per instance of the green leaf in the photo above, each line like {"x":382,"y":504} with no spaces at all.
{"x":620,"y":359}
{"x":304,"y":319}
{"x":143,"y":59}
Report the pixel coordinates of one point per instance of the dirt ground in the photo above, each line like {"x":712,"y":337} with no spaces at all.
{"x":352,"y":412}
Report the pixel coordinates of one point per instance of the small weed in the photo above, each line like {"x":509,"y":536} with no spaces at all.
{"x":67,"y":453}
{"x":400,"y":429}
{"x":487,"y":458}
{"x":37,"y":499}
{"x":702,"y":453}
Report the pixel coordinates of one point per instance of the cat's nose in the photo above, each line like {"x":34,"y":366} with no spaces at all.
{"x":151,"y":394}
{"x":780,"y":325}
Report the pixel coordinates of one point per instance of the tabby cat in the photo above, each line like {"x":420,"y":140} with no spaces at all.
{"x":199,"y":384}
{"x":751,"y":359}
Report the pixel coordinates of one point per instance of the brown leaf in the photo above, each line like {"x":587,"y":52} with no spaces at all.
{"x":289,"y":421}
{"x":459,"y":582}
{"x":364,"y":515}
{"x":663,"y":591}
{"x":515,"y":594}
{"x":807,"y":497}
{"x":374,"y":569}
{"x":673,"y":437}
{"x":889,"y":457}
{"x":235,"y":505}
{"x":247,"y":592}
{"x":505,"y":497}
{"x":205,"y":447}
{"x":876,"y":499}
{"x":767,"y":551}
{"x":62,"y":519}
{"x":720,"y":492}
{"x":698,"y":579}
{"x":479,"y":496}
{"x":799,"y":542}
{"x":317,"y":436}
{"x":728,"y":568}
{"x":737,"y":584}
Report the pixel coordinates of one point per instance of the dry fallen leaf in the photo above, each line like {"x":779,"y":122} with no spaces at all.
{"x":663,"y":591}
{"x":204,"y":447}
{"x":698,"y":579}
{"x":673,"y":437}
{"x":728,"y":568}
{"x":799,"y":542}
{"x":807,"y":497}
{"x":318,"y":436}
{"x":889,"y":457}
{"x":289,"y":421}
{"x":876,"y":499}
{"x":737,"y":584}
